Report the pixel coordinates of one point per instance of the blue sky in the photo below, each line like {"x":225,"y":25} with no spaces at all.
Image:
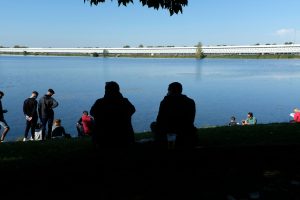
{"x":73,"y":23}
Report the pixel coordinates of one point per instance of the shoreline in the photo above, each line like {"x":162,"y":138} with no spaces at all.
{"x":246,"y":56}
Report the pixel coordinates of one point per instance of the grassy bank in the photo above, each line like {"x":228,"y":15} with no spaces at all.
{"x":263,"y":134}
{"x":228,"y":162}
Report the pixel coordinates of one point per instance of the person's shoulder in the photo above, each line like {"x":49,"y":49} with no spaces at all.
{"x":188,"y":99}
{"x":99,"y":100}
{"x":26,"y":100}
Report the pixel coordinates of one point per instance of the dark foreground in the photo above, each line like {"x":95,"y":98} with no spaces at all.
{"x":245,"y":172}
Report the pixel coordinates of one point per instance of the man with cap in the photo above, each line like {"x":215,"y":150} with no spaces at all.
{"x":45,"y":107}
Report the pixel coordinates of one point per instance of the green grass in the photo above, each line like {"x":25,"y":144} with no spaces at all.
{"x":47,"y":151}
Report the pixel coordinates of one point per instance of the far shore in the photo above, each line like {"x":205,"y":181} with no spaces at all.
{"x":224,"y":56}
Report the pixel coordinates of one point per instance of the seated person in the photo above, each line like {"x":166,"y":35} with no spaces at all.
{"x":250,"y":119}
{"x":296,"y":116}
{"x":232,"y":121}
{"x":175,"y":120}
{"x":58,"y":131}
{"x":85,"y":125}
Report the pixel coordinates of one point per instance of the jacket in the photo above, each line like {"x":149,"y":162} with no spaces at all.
{"x":46,"y":105}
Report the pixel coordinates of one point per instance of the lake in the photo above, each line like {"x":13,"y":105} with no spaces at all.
{"x":220,"y":87}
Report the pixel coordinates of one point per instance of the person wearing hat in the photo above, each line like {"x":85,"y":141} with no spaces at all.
{"x":2,"y":120}
{"x":296,"y":116}
{"x":45,"y":107}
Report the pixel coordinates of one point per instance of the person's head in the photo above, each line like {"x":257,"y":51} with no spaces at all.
{"x":232,"y":118}
{"x":50,"y":92}
{"x":57,"y":122}
{"x":1,"y":94}
{"x":296,"y":110}
{"x":175,"y":88}
{"x":112,"y":87}
{"x":85,"y":112}
{"x":34,"y":94}
{"x":250,"y":114}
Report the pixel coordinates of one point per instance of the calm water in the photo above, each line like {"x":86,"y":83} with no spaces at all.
{"x":220,"y":87}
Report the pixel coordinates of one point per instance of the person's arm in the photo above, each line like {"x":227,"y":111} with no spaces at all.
{"x":54,"y":103}
{"x":63,"y":131}
{"x":131,"y":108}
{"x":40,"y":108}
{"x":34,"y":109}
{"x":1,"y":109}
{"x":79,"y":121}
{"x":24,"y":108}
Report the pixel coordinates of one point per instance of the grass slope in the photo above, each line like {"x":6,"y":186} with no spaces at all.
{"x":229,"y":161}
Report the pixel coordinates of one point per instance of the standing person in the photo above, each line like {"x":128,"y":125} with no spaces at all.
{"x":2,"y":120}
{"x":112,"y":115}
{"x":45,"y":107}
{"x":176,"y":116}
{"x":30,"y":111}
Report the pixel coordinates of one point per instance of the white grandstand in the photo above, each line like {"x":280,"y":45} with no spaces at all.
{"x":224,"y":50}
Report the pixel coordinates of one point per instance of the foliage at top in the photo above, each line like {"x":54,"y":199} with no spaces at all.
{"x":174,"y":6}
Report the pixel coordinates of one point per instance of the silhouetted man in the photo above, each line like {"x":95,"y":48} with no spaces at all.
{"x":30,"y":106}
{"x":112,"y":115}
{"x":176,"y":116}
{"x":46,"y":113}
{"x":2,"y":120}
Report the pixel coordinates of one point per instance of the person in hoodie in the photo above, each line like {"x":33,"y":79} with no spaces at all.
{"x":45,"y":107}
{"x":176,"y":116}
{"x":112,"y":119}
{"x":31,"y":115}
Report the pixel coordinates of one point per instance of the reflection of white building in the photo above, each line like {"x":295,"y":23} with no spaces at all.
{"x":254,"y":49}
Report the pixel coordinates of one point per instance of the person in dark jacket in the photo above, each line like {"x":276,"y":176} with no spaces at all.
{"x":31,"y":115}
{"x":176,"y":116}
{"x":58,"y":131}
{"x":2,"y":120}
{"x":112,"y":118}
{"x":45,"y":107}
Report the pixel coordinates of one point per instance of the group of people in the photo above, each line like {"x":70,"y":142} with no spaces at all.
{"x":43,"y":110}
{"x":34,"y":110}
{"x":250,"y":120}
{"x":109,"y":122}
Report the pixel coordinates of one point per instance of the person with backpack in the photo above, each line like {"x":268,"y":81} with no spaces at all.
{"x":45,"y":107}
{"x":31,"y":115}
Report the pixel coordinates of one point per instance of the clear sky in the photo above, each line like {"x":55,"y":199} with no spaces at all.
{"x":73,"y":23}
